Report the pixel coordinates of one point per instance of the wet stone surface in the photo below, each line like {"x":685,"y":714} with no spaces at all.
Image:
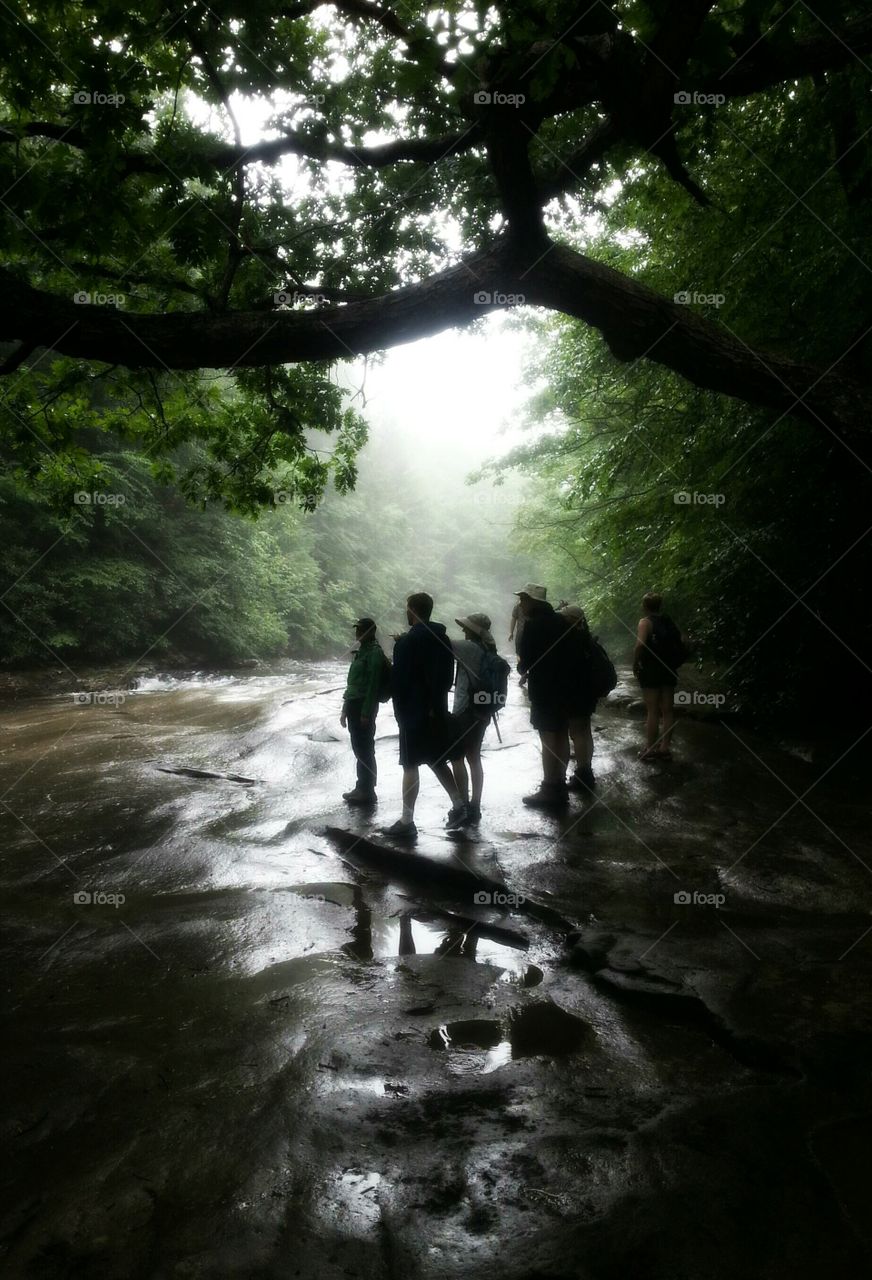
{"x":241,"y":1046}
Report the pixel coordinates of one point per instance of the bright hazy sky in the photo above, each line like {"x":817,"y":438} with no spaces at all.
{"x":460,"y":388}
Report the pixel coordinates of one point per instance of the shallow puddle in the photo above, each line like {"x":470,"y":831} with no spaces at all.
{"x":409,"y":935}
{"x":481,"y":1045}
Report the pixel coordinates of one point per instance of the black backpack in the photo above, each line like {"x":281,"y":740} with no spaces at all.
{"x":666,"y":642}
{"x":603,"y":676}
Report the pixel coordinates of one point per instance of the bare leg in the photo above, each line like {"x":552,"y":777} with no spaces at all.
{"x":411,"y":787}
{"x":667,"y":711}
{"x":582,"y":740}
{"x":652,"y":721}
{"x":461,"y":778}
{"x":446,"y":777}
{"x":476,"y":771}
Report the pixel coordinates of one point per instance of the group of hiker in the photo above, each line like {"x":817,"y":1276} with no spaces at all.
{"x":562,"y":665}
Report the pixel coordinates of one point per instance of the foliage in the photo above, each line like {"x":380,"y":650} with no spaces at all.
{"x":767,"y":562}
{"x":130,"y":569}
{"x":128,"y":166}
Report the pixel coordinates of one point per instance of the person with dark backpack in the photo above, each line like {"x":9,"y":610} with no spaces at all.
{"x":479,"y":695}
{"x":594,"y":678}
{"x":659,"y":651}
{"x":369,"y":671}
{"x":550,"y":655}
{"x":422,"y":675}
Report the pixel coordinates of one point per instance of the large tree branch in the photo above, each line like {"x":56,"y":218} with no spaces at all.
{"x":773,"y":61}
{"x":225,"y":155}
{"x":636,"y":322}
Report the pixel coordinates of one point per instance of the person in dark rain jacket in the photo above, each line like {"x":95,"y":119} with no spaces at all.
{"x":550,"y":656}
{"x":360,"y":708}
{"x":423,"y":672}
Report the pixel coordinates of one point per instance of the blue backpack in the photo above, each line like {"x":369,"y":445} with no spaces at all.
{"x":491,"y":685}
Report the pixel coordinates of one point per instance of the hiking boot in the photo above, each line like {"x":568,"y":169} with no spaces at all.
{"x":582,"y":779}
{"x":401,"y":830}
{"x":457,"y":814}
{"x":551,"y":795}
{"x":473,"y":815}
{"x":360,"y":797}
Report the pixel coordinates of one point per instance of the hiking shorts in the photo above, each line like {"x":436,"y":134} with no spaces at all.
{"x":433,"y":741}
{"x":547,"y":718}
{"x":470,"y":728}
{"x":658,"y":677}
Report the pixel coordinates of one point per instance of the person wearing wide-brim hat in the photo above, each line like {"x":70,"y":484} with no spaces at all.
{"x":548,"y":655}
{"x":532,"y":591}
{"x":472,"y":713}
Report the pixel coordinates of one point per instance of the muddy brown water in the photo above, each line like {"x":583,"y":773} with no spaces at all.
{"x":234,"y":1051}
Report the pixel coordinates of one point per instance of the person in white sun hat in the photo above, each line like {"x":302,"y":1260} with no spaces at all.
{"x":479,"y":693}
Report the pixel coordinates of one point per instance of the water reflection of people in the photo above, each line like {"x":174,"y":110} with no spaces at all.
{"x":361,"y":931}
{"x":407,"y":940}
{"x":459,"y":941}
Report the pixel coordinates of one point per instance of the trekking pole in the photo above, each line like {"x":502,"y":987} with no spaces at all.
{"x":497,"y":726}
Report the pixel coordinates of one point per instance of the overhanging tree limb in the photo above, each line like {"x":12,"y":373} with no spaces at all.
{"x":225,"y":155}
{"x":774,"y":60}
{"x":636,"y":322}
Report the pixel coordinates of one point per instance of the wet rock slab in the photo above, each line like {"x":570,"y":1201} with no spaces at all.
{"x":277,"y":1058}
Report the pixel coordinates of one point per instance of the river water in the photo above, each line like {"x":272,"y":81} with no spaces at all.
{"x":238,"y":1047}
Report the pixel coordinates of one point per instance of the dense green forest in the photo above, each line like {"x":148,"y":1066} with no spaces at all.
{"x":208,"y":213}
{"x":755,"y":525}
{"x":140,"y":571}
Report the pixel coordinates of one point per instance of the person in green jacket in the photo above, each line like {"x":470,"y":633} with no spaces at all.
{"x":360,"y":708}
